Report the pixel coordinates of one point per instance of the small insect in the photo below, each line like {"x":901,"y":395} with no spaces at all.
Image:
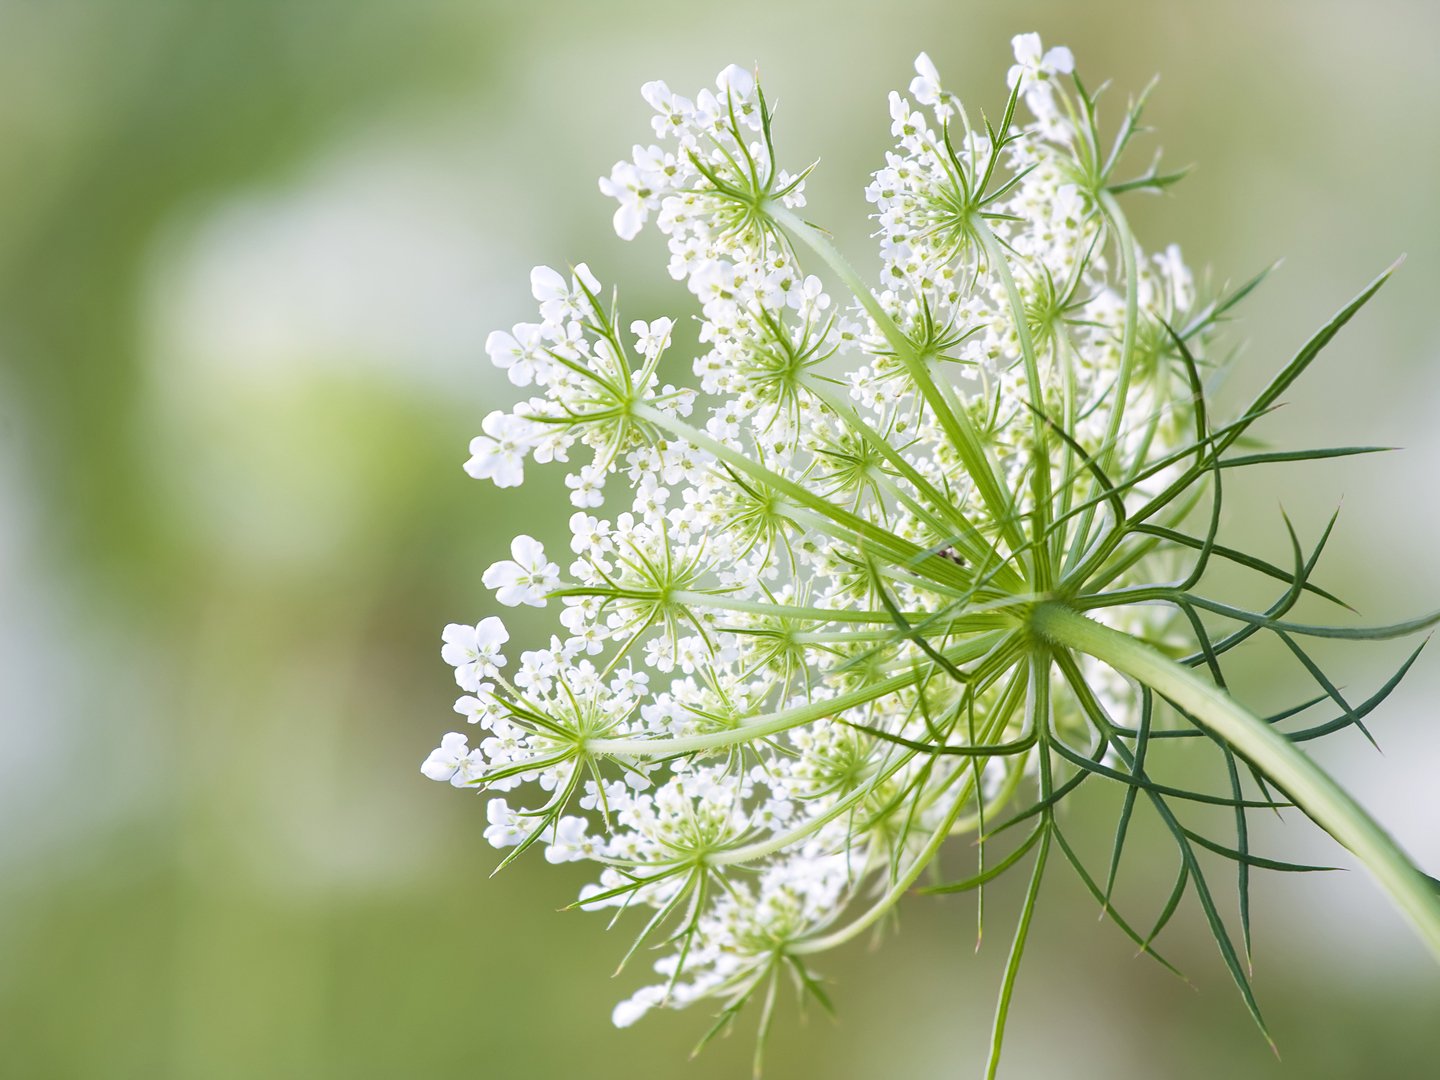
{"x":951,"y":554}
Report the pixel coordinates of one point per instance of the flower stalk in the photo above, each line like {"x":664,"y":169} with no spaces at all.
{"x":1282,"y":762}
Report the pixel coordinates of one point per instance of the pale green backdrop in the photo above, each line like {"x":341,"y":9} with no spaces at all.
{"x":249,"y":253}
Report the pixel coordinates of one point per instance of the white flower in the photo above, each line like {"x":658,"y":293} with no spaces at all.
{"x":736,"y":81}
{"x":499,"y":454}
{"x":506,"y":828}
{"x":1035,"y":64}
{"x":588,"y":535}
{"x":526,"y":577}
{"x":630,"y":682}
{"x":926,"y":88}
{"x":519,"y":353}
{"x":481,"y":709}
{"x":651,"y":338}
{"x":587,"y":487}
{"x":560,"y":302}
{"x":637,"y":1005}
{"x":673,"y":112}
{"x":454,"y":761}
{"x":569,"y":841}
{"x":637,"y":198}
{"x":774,"y":521}
{"x":474,"y":651}
{"x":538,"y":668}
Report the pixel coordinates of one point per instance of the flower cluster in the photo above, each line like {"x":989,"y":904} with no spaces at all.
{"x":823,"y":631}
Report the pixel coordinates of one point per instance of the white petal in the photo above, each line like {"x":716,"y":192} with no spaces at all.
{"x":546,"y":284}
{"x":527,"y":551}
{"x":508,"y":472}
{"x":628,"y":220}
{"x":656,"y":94}
{"x":491,"y":631}
{"x":501,"y":575}
{"x":502,"y":348}
{"x":438,"y":766}
{"x":514,"y":596}
{"x":458,"y":634}
{"x":1060,"y":59}
{"x":736,"y":79}
{"x":1027,"y":48}
{"x":586,"y":278}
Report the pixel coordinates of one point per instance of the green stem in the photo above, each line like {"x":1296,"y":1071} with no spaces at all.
{"x":956,"y":423}
{"x":976,"y":547}
{"x":726,"y":602}
{"x":1307,"y":785}
{"x":1040,"y":555}
{"x":761,"y":727}
{"x":901,"y":884}
{"x":1125,"y":241}
{"x":837,"y":521}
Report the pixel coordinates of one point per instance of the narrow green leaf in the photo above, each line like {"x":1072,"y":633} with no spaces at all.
{"x":1243,"y":864}
{"x":1017,"y":951}
{"x":1323,"y":681}
{"x":1356,"y":633}
{"x":1291,"y":770}
{"x":1212,"y":313}
{"x":1364,"y":708}
{"x":1309,"y":351}
{"x":1108,"y":909}
{"x":1019,"y":746}
{"x":990,"y":873}
{"x":1240,"y":558}
{"x":1171,"y":904}
{"x":1144,"y":784}
{"x":1255,"y":860}
{"x":1218,"y":930}
{"x":1278,"y":456}
{"x":1142,"y":746}
{"x":1151,"y":181}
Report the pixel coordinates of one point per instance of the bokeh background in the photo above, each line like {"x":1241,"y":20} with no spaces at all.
{"x":249,"y":254}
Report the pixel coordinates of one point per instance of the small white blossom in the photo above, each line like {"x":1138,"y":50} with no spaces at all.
{"x":569,"y":841}
{"x":926,"y":88}
{"x":474,"y":651}
{"x":1033,"y":61}
{"x":454,"y":761}
{"x":524,"y":578}
{"x":499,"y":454}
{"x":506,"y":828}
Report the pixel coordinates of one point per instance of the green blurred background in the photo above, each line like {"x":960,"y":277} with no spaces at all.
{"x":249,"y":254}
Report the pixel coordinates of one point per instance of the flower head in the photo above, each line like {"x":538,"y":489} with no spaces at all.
{"x":897,"y":577}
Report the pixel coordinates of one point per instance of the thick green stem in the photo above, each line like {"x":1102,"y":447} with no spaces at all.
{"x":1307,"y":785}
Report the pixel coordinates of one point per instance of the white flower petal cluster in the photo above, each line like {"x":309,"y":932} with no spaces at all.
{"x":756,"y":647}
